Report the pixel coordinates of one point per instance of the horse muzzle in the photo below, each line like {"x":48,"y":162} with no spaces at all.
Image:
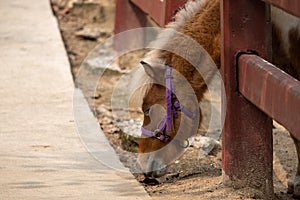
{"x":152,"y":167}
{"x":156,"y":173}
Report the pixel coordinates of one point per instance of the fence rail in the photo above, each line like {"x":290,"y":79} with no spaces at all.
{"x":270,"y":89}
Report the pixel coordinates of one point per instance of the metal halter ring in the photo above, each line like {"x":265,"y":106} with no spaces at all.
{"x":185,"y":144}
{"x":158,"y":133}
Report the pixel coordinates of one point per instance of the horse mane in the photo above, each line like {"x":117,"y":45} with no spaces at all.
{"x":190,"y":9}
{"x":140,"y":78}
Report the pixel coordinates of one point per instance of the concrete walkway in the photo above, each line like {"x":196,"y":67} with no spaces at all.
{"x":42,"y":156}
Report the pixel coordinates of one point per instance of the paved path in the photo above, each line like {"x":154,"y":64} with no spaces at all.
{"x":42,"y":156}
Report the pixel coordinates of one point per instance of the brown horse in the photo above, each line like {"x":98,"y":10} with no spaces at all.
{"x":200,"y":21}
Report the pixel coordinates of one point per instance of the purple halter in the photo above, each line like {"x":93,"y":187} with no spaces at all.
{"x":172,"y":106}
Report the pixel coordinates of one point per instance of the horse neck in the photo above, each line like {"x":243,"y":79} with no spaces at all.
{"x":204,"y":28}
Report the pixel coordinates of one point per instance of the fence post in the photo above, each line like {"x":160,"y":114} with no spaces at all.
{"x":171,"y":7}
{"x":128,"y":16}
{"x":247,"y":153}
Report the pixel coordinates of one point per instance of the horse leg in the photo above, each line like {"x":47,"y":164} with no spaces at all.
{"x":294,"y":182}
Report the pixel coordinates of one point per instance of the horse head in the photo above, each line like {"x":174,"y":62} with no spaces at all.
{"x":167,"y":121}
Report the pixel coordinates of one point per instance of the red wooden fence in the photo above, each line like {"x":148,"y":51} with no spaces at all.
{"x":256,"y":91}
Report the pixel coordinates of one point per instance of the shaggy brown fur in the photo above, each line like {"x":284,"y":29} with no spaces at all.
{"x":207,"y":23}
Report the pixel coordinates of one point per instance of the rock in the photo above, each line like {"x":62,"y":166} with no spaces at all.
{"x":105,"y":121}
{"x":205,"y":144}
{"x":92,"y":33}
{"x":210,"y":190}
{"x":220,"y":183}
{"x":91,"y":12}
{"x":104,"y":111}
{"x":103,"y":63}
{"x":130,"y":134}
{"x":96,"y":96}
{"x":131,"y":127}
{"x":112,"y":129}
{"x":65,"y":4}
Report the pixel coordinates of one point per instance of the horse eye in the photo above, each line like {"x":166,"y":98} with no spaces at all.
{"x":147,"y":112}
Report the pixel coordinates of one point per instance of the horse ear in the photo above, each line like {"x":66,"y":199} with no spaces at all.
{"x":156,"y":72}
{"x":148,"y":69}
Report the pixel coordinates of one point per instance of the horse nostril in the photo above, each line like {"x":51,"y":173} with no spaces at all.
{"x":148,"y":174}
{"x":158,"y":169}
{"x":159,"y":173}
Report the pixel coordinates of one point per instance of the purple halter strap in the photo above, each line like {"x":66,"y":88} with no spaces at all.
{"x":169,"y":94}
{"x":172,"y":106}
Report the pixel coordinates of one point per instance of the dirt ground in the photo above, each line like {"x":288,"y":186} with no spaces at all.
{"x":85,"y":24}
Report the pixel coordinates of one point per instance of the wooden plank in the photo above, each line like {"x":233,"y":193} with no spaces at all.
{"x":161,"y":11}
{"x":272,"y":90}
{"x":290,"y":6}
{"x":127,"y":17}
{"x":154,"y":8}
{"x":247,"y":150}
